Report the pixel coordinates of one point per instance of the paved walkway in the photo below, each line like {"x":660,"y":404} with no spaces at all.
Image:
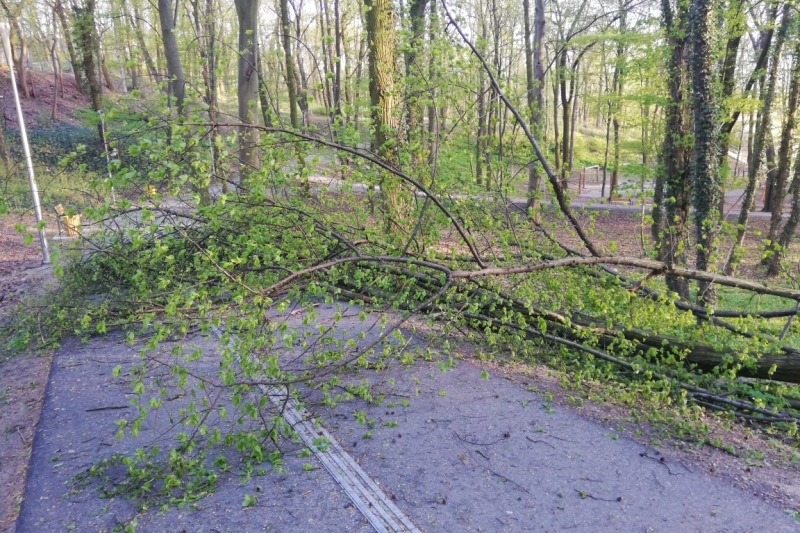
{"x":453,"y":451}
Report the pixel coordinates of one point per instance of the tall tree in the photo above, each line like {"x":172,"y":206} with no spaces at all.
{"x":672,"y":192}
{"x":18,"y":39}
{"x":247,"y":88}
{"x":177,"y":83}
{"x":534,"y":80}
{"x":705,"y":171}
{"x":416,"y":14}
{"x":779,"y":245}
{"x":380,"y":27}
{"x":77,"y":66}
{"x":291,"y":68}
{"x":381,"y":36}
{"x":785,"y":149}
{"x":617,"y":84}
{"x":85,"y":37}
{"x":762,"y":138}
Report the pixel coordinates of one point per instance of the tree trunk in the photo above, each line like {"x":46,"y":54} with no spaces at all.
{"x":177,"y":83}
{"x":705,"y":174}
{"x":106,"y":74}
{"x":247,"y":85}
{"x":573,"y":119}
{"x":5,"y":157}
{"x":263,"y":97}
{"x":774,"y":262}
{"x":763,"y":131}
{"x":85,"y":32}
{"x":557,"y":155}
{"x":356,"y":93}
{"x":416,"y":12}
{"x":534,"y":78}
{"x":784,"y":151}
{"x":434,"y":75}
{"x":291,"y":76}
{"x":617,"y":88}
{"x":77,"y":66}
{"x":337,"y":67}
{"x":381,"y":35}
{"x":19,"y":60}
{"x":56,"y":71}
{"x":481,"y":135}
{"x":671,"y":237}
{"x":736,"y":28}
{"x":778,"y":249}
{"x":136,"y":22}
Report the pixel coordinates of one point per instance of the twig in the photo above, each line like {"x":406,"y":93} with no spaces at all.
{"x":585,"y":495}
{"x":501,"y":476}
{"x":661,"y":461}
{"x":540,"y":441}
{"x":464,"y":439}
{"x":109,"y":408}
{"x":25,"y":442}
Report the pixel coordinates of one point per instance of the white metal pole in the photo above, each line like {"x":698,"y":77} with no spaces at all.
{"x":108,"y":156}
{"x":37,"y":207}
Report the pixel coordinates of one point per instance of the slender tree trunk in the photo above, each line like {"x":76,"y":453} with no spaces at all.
{"x":19,"y":60}
{"x":300,"y":78}
{"x":557,"y":155}
{"x":327,"y":57}
{"x":414,"y":106}
{"x":357,"y":83}
{"x":85,"y":32}
{"x":337,"y":67}
{"x":763,"y":132}
{"x":784,"y":151}
{"x":785,"y":237}
{"x":177,"y":83}
{"x":77,"y":66}
{"x":433,"y":75}
{"x":534,"y":77}
{"x":136,"y":22}
{"x":247,"y":85}
{"x":573,"y":119}
{"x":56,"y":70}
{"x":619,"y":68}
{"x":291,"y":76}
{"x":736,"y":28}
{"x":106,"y":74}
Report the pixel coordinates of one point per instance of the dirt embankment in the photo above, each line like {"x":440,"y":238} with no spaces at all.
{"x":38,"y":109}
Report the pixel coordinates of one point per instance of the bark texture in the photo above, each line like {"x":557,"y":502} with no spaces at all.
{"x":247,"y":87}
{"x":705,"y":172}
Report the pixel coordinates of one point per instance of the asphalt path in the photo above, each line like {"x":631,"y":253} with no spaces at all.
{"x":453,"y":450}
